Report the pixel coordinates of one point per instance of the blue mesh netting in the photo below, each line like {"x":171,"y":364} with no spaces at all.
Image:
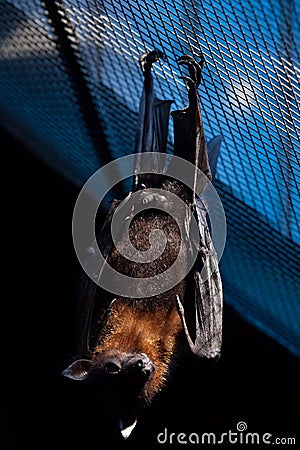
{"x":250,"y":94}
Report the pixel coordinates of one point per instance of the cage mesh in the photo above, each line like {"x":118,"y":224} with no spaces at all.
{"x":70,"y":76}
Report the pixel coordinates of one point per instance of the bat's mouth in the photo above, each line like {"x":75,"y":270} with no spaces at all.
{"x":127,"y":425}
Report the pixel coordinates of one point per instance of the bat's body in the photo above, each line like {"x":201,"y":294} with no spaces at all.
{"x":149,"y":325}
{"x":132,"y":344}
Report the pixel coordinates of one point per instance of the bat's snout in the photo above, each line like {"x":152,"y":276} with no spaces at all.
{"x":143,"y":364}
{"x":137,"y":365}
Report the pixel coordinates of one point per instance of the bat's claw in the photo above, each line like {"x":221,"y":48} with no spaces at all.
{"x":191,"y":59}
{"x":147,"y":59}
{"x":194,"y":67}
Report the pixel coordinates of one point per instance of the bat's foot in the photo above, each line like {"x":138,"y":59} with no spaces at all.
{"x":147,"y":59}
{"x":193,"y":80}
{"x":194,"y":67}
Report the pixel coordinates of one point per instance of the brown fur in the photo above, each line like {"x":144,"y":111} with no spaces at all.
{"x":149,"y":325}
{"x":133,"y":328}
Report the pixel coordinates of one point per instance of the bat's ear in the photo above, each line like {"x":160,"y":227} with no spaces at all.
{"x":78,"y":370}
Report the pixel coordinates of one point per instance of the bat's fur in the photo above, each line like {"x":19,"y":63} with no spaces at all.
{"x":142,"y":327}
{"x":148,"y":325}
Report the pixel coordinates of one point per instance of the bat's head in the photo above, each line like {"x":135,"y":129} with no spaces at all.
{"x":116,"y":367}
{"x":123,"y":375}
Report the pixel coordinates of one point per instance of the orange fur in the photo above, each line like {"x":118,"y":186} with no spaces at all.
{"x":135,"y":328}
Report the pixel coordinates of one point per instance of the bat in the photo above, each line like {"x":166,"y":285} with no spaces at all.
{"x":129,"y":344}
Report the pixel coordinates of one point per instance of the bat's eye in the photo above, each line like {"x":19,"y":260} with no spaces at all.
{"x":112,"y":368}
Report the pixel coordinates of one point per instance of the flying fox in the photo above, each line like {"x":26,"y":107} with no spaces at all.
{"x":129,"y":345}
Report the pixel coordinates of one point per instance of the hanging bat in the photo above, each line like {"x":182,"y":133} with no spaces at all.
{"x":129,"y":344}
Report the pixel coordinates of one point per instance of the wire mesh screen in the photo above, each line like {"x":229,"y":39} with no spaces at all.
{"x":70,"y":86}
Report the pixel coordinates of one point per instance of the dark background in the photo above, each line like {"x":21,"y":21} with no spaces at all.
{"x":256,"y":380}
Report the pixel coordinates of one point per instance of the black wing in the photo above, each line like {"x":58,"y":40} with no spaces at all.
{"x":151,"y":136}
{"x":88,"y":289}
{"x":189,"y":143}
